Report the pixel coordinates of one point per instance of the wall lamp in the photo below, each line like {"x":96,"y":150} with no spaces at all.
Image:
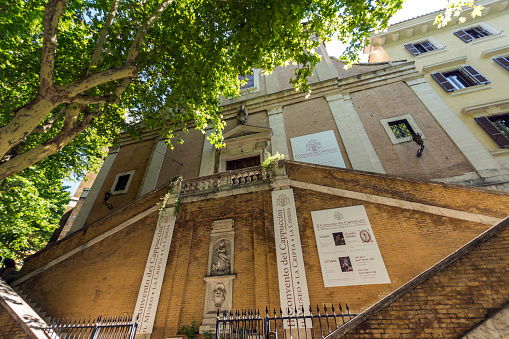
{"x":417,"y":137}
{"x":107,"y":196}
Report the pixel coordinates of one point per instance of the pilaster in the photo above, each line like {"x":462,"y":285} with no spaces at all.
{"x":361,"y":152}
{"x":82,"y":216}
{"x":277,"y":124}
{"x":153,"y":168}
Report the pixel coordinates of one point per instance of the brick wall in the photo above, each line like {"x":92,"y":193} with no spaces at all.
{"x":9,"y":327}
{"x":130,"y":157}
{"x":449,"y":300}
{"x":440,"y":159}
{"x":105,"y":278}
{"x":317,"y":117}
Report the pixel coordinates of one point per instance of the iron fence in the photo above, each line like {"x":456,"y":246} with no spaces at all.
{"x":118,"y":327}
{"x":249,"y":324}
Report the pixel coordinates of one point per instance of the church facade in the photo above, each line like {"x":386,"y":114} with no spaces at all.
{"x":365,"y":202}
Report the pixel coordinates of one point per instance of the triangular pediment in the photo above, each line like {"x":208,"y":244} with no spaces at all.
{"x":247,"y":130}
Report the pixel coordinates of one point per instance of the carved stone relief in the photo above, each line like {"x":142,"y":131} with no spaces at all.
{"x":221,"y":258}
{"x":219,"y":279}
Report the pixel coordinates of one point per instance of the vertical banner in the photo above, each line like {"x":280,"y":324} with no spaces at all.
{"x":293,"y":286}
{"x":318,"y":148}
{"x":150,"y":290}
{"x":347,"y":248}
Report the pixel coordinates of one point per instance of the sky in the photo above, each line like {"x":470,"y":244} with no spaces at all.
{"x":411,"y":8}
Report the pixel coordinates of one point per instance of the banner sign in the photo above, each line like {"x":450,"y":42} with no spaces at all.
{"x":293,"y":286}
{"x":347,"y":248}
{"x":150,"y":290}
{"x":319,"y":148}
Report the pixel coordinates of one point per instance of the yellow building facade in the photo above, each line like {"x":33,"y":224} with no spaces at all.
{"x":465,"y":67}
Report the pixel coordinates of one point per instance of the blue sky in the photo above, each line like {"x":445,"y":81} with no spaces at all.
{"x":411,"y":8}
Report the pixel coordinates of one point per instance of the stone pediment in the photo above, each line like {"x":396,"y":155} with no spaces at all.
{"x":247,"y":133}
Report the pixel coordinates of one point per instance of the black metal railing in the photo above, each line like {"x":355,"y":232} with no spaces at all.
{"x":119,"y":327}
{"x":244,"y":324}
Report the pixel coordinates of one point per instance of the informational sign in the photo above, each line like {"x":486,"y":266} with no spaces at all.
{"x":293,"y":286}
{"x":347,"y":248}
{"x":319,"y":148}
{"x":150,"y":290}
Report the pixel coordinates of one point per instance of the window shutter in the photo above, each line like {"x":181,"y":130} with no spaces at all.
{"x":478,"y":77}
{"x":411,"y":48}
{"x":481,"y":31}
{"x":439,"y":77}
{"x":427,"y":46}
{"x":504,"y":62}
{"x":463,"y":35}
{"x":493,"y":131}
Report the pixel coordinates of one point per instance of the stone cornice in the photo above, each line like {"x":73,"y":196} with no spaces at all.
{"x":422,"y":26}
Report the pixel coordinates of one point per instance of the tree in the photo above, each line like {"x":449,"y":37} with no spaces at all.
{"x":72,"y":66}
{"x":31,"y":205}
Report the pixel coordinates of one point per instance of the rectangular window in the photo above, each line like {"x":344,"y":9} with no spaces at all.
{"x":122,"y":182}
{"x":242,"y":163}
{"x":503,"y":61}
{"x":497,"y":127}
{"x":248,"y":81}
{"x":421,"y":47}
{"x":463,"y":77}
{"x":473,"y":33}
{"x":401,"y":128}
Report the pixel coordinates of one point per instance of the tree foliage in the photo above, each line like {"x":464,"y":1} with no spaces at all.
{"x":31,"y":205}
{"x":79,"y":65}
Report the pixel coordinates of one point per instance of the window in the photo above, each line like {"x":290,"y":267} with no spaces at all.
{"x":503,"y":61}
{"x":242,"y":163}
{"x":472,"y":33}
{"x":401,"y":128}
{"x":421,"y":47}
{"x":122,"y":182}
{"x":249,"y":81}
{"x":463,"y":77}
{"x":497,"y":127}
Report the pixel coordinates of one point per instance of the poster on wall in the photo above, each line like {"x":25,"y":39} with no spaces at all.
{"x":318,"y":148}
{"x":347,"y":248}
{"x":293,"y":286}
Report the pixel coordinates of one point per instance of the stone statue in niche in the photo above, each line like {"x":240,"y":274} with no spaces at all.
{"x":242,"y":115}
{"x":221,"y":258}
{"x":219,"y":295}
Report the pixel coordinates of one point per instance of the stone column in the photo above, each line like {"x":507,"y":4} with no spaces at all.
{"x":82,"y":216}
{"x":153,"y":168}
{"x":361,"y":152}
{"x":277,"y":123}
{"x":478,"y":156}
{"x":208,"y":156}
{"x":219,"y":279}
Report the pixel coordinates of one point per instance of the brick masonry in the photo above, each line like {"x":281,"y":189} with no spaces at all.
{"x":105,"y":278}
{"x":447,"y":301}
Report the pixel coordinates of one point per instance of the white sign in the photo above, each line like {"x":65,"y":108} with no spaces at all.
{"x":347,"y":248}
{"x":150,"y":290}
{"x":319,"y":148}
{"x":293,"y":286}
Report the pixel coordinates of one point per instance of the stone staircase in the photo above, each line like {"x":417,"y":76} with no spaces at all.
{"x":33,"y":305}
{"x":25,"y":319}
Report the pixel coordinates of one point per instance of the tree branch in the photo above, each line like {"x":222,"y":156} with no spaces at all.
{"x":71,"y":128}
{"x":52,"y":13}
{"x":102,"y":36}
{"x":134,"y":51}
{"x":92,"y":80}
{"x":87,"y":100}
